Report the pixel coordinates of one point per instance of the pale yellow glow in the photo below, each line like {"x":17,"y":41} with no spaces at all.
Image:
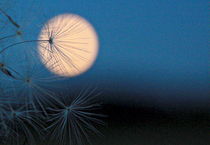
{"x":69,"y":45}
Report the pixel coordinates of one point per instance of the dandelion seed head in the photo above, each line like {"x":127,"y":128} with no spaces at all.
{"x":51,"y":40}
{"x":68,"y":46}
{"x":20,"y":123}
{"x":28,"y":80}
{"x":71,"y":42}
{"x":72,"y":119}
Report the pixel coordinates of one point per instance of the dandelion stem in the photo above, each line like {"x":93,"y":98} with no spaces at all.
{"x":9,"y":36}
{"x":18,"y":43}
{"x":9,"y":18}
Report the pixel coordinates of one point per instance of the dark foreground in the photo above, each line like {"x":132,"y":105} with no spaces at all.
{"x":144,"y":126}
{"x":150,"y":126}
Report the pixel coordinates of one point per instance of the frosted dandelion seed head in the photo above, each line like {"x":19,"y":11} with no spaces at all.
{"x":34,"y":86}
{"x":73,"y":118}
{"x":21,"y":123}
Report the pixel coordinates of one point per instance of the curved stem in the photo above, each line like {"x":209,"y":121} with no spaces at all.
{"x":9,"y":36}
{"x":18,"y":43}
{"x":9,"y":18}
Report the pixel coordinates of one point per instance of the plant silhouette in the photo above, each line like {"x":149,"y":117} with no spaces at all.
{"x":31,"y":109}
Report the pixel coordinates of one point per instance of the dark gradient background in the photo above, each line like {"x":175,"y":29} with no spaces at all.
{"x":152,"y":68}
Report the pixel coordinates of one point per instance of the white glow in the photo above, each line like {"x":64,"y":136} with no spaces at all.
{"x":72,"y":47}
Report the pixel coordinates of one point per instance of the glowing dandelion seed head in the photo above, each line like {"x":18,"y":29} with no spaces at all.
{"x":69,"y":41}
{"x":51,"y":40}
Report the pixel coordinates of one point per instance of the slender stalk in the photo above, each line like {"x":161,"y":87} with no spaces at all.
{"x":10,"y":18}
{"x":9,"y":36}
{"x":18,"y":43}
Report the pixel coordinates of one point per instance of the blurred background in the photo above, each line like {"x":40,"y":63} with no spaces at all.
{"x":152,"y":67}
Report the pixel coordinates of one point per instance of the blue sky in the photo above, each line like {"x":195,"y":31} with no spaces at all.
{"x":153,"y":51}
